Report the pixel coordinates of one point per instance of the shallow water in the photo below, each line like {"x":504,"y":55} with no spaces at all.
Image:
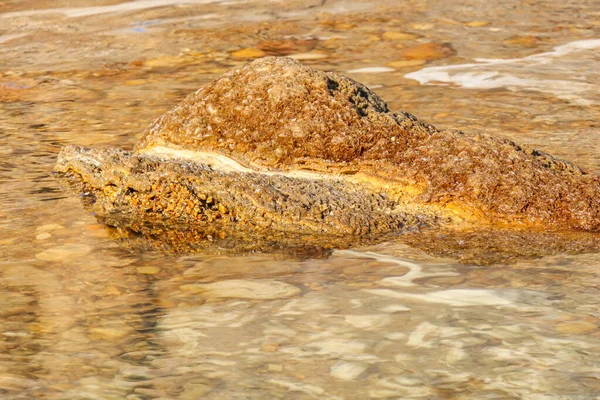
{"x":82,"y":318}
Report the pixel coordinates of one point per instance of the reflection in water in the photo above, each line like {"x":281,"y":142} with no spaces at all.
{"x":354,"y":324}
{"x":132,"y":5}
{"x":88,"y":312}
{"x":482,"y":247}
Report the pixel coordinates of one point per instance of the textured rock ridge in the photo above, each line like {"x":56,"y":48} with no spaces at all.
{"x":279,"y":115}
{"x":311,"y":151}
{"x":147,"y":188}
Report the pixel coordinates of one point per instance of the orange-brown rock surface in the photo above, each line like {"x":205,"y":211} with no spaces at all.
{"x":275,"y":144}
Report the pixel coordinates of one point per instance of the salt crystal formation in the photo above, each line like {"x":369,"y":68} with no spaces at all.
{"x":277,"y":145}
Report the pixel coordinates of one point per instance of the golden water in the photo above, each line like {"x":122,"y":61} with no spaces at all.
{"x":82,"y":318}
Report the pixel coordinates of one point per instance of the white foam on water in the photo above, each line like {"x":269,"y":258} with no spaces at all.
{"x":406,"y":280}
{"x":115,"y":8}
{"x":455,"y":297}
{"x":523,"y":73}
{"x":451,"y":297}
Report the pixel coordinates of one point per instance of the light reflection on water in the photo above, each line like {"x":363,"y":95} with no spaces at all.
{"x":82,"y":318}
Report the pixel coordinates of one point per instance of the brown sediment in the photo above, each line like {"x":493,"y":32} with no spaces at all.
{"x":276,"y":115}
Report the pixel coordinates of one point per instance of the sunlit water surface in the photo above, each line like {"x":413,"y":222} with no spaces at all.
{"x":82,"y":318}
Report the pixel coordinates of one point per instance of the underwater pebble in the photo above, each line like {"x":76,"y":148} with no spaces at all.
{"x":347,"y":370}
{"x":275,"y":367}
{"x":270,"y":347}
{"x":399,"y":36}
{"x":405,"y":63}
{"x":148,"y":270}
{"x":371,"y":70}
{"x":339,"y":346}
{"x":195,"y":390}
{"x":577,"y":327}
{"x":428,"y":51}
{"x":422,"y":26}
{"x":401,"y":392}
{"x":394,"y":308}
{"x":526,"y":41}
{"x":395,"y":336}
{"x":65,"y":252}
{"x":43,"y":236}
{"x":309,"y":56}
{"x":248,"y":53}
{"x":298,"y":387}
{"x":368,"y":321}
{"x":454,"y":355}
{"x":166,"y":61}
{"x":244,"y":289}
{"x":401,"y":387}
{"x":476,"y":24}
{"x":110,"y":333}
{"x":416,"y":338}
{"x":48,"y":227}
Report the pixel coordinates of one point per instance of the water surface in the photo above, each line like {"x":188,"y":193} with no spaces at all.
{"x":83,"y":318}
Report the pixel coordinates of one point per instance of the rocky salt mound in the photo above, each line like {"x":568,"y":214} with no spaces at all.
{"x":277,"y":145}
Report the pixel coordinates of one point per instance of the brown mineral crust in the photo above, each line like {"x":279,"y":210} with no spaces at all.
{"x":276,"y":114}
{"x":143,"y":188}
